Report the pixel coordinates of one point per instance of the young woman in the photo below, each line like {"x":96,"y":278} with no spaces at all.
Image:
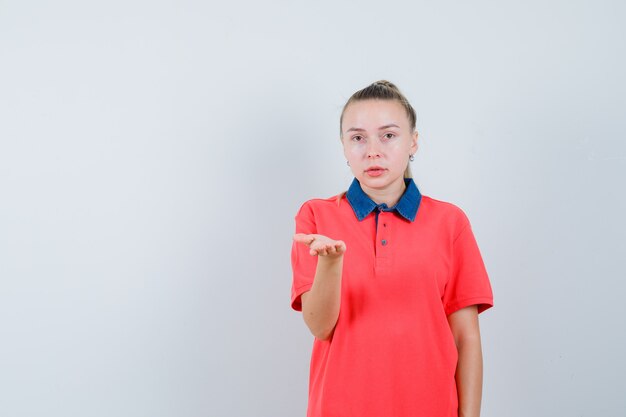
{"x":389,"y":281}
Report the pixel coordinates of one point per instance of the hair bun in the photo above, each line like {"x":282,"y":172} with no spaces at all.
{"x":387,"y":84}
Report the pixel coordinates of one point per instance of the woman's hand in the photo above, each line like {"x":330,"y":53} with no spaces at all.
{"x":321,"y":245}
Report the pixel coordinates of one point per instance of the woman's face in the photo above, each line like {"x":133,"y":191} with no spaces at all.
{"x":376,"y":133}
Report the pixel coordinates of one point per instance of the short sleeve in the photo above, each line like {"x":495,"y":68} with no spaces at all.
{"x":468,"y":283}
{"x":303,"y":264}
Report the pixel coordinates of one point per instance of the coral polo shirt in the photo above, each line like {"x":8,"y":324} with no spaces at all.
{"x":405,"y":269}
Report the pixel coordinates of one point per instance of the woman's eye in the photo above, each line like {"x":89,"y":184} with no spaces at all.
{"x":356,"y":138}
{"x":389,"y":135}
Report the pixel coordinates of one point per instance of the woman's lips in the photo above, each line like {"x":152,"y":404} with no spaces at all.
{"x":376,"y":172}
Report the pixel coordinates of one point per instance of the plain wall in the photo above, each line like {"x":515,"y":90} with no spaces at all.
{"x":153,"y":155}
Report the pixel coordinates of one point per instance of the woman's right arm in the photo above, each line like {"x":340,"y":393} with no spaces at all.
{"x":320,"y":305}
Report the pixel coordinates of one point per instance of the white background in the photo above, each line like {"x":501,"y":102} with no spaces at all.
{"x":153,"y":155}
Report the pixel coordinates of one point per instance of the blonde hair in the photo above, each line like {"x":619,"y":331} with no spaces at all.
{"x":380,"y":90}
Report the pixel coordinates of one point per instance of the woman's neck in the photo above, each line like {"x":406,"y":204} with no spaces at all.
{"x":390,"y":196}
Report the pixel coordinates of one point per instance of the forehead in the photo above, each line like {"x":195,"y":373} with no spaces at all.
{"x":371,"y":114}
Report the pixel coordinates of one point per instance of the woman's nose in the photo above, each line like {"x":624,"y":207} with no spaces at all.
{"x":372,"y":149}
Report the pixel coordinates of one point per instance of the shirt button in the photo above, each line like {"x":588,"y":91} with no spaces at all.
{"x":384,"y":242}
{"x":384,"y":224}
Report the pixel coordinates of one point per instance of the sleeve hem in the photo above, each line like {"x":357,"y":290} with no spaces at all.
{"x":483,"y":304}
{"x":296,"y":301}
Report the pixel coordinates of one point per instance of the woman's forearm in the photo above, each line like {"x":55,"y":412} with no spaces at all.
{"x":320,"y":305}
{"x":469,"y":376}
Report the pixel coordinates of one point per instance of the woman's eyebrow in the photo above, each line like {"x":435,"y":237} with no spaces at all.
{"x":358,"y":129}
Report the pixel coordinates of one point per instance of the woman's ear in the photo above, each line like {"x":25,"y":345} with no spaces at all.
{"x":414,"y":144}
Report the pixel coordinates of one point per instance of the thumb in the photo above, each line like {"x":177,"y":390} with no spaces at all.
{"x":304,"y":238}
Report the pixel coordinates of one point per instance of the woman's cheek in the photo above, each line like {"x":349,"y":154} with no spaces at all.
{"x":357,"y":149}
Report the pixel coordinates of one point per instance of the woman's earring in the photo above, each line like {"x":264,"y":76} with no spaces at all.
{"x":411,"y":158}
{"x":348,"y":162}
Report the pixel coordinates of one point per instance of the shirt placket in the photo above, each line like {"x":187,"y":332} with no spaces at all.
{"x":382,"y":244}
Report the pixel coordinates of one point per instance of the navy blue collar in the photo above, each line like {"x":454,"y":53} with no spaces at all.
{"x":363,"y":205}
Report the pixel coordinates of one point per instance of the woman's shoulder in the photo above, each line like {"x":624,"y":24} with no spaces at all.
{"x":446,"y":210}
{"x":322,"y":203}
